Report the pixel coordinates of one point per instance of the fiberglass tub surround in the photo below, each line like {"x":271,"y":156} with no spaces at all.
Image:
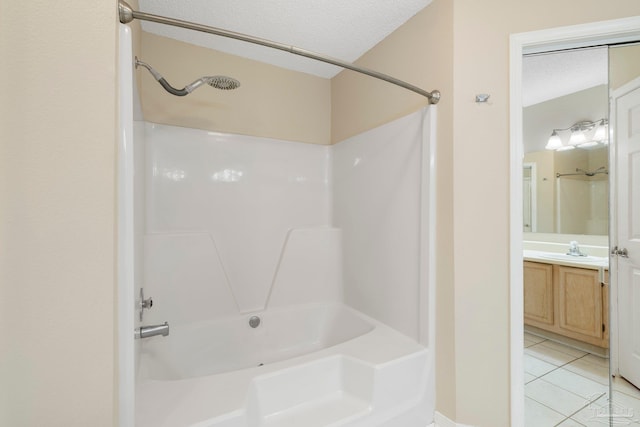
{"x":369,"y":380}
{"x":289,"y":274}
{"x":235,"y":342}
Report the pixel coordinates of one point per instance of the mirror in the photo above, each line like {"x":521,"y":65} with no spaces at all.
{"x":569,"y":381}
{"x":565,"y":198}
{"x":566,"y":192}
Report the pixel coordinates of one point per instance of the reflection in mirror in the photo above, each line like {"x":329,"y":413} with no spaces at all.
{"x":569,"y":194}
{"x":566,"y":295}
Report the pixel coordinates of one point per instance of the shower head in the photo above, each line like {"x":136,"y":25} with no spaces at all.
{"x":222,"y":82}
{"x":218,"y":82}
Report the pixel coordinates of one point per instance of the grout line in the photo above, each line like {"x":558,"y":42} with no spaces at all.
{"x":564,"y":352}
{"x":589,"y":402}
{"x":541,"y":377}
{"x":559,"y":366}
{"x":565,"y":364}
{"x":561,"y":422}
{"x":548,"y":407}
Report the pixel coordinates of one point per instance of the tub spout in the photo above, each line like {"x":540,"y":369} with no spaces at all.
{"x":153,"y":330}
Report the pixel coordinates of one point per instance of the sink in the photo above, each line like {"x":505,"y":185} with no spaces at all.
{"x":571,"y":258}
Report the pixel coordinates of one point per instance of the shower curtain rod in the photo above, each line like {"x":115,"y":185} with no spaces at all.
{"x":127,"y":14}
{"x":583,"y":172}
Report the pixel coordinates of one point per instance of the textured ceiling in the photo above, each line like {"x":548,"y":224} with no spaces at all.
{"x":551,"y":75}
{"x":337,"y":28}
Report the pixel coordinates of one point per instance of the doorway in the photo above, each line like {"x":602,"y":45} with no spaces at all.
{"x":610,"y":32}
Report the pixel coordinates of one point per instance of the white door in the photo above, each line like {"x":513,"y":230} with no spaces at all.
{"x":627,"y":152}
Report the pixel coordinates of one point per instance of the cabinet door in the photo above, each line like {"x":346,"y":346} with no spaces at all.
{"x":538,"y":294}
{"x":580,"y":313}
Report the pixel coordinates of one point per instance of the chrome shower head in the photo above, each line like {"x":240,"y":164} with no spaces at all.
{"x":218,"y":82}
{"x":222,"y":82}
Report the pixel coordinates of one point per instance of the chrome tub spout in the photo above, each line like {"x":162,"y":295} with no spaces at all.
{"x":153,"y":330}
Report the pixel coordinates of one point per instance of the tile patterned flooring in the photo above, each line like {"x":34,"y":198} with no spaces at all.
{"x":566,"y":387}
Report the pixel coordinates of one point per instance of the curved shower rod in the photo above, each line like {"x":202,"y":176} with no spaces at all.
{"x":127,"y":14}
{"x":601,"y":169}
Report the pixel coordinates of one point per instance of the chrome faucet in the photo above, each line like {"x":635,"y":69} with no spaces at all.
{"x":574,"y":249}
{"x":152,"y":331}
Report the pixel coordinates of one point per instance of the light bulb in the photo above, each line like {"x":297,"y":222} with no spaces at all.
{"x":554,"y":142}
{"x":577,"y":138}
{"x":601,"y":133}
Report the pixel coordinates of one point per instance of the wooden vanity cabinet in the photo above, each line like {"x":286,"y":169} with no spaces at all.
{"x":538,"y":294}
{"x":569,"y":301}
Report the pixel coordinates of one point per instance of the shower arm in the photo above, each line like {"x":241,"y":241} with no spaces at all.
{"x":127,"y":14}
{"x":165,"y":84}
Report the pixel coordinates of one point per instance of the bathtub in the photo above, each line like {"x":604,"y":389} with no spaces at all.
{"x":304,"y":366}
{"x":231,"y":344}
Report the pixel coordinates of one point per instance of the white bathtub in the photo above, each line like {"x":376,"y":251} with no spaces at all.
{"x":231,"y":344}
{"x":305,"y":366}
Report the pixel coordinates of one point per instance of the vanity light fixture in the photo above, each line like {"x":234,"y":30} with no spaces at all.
{"x":584,"y":134}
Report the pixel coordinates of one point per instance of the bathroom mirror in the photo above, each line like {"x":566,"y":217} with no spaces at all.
{"x":566,"y":349}
{"x":565,"y":192}
{"x":569,"y":381}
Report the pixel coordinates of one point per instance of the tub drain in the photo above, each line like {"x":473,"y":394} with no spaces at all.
{"x":254,"y":322}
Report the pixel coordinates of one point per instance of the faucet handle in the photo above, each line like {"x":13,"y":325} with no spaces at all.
{"x":144,"y":303}
{"x":574,"y":249}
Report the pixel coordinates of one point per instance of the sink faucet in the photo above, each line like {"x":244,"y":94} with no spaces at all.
{"x":153,"y":330}
{"x":574,"y":249}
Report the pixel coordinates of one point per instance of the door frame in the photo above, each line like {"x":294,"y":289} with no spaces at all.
{"x":583,"y":35}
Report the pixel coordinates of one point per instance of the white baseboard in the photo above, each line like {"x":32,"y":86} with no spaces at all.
{"x":440,"y":420}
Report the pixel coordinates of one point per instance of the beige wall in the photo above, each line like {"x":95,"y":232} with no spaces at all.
{"x":476,"y":288}
{"x":271,"y":101}
{"x":624,"y":65}
{"x":57,"y":221}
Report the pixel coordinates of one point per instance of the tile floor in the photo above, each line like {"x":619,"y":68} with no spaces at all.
{"x":566,"y":387}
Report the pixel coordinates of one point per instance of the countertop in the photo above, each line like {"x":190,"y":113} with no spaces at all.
{"x":591,"y":262}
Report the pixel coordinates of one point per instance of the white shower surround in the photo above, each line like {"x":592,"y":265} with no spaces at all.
{"x":578,"y":206}
{"x":225,"y":210}
{"x":376,"y":187}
